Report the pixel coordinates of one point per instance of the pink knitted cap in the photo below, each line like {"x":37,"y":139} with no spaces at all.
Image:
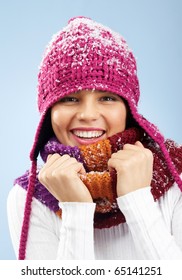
{"x":88,"y":55}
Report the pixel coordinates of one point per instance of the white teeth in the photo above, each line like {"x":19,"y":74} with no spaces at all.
{"x":87,"y":134}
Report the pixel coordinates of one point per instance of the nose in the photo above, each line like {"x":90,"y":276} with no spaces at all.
{"x":88,"y":111}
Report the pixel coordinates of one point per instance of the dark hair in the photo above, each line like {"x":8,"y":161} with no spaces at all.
{"x":130,"y":121}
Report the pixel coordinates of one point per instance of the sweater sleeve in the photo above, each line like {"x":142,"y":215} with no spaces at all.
{"x":50,"y":237}
{"x":77,"y":231}
{"x":155,"y":234}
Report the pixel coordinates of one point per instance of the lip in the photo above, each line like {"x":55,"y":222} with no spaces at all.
{"x":87,"y":129}
{"x":86,"y":141}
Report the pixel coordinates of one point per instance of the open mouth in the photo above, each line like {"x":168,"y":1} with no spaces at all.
{"x":93,"y":134}
{"x":87,"y":136}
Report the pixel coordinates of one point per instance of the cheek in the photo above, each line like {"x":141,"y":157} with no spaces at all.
{"x":58,"y":119}
{"x":55,"y":118}
{"x":118,"y":118}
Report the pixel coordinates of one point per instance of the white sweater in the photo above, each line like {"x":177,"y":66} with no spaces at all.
{"x":153,"y":229}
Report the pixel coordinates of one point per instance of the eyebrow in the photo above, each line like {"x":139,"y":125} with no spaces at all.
{"x":93,"y":90}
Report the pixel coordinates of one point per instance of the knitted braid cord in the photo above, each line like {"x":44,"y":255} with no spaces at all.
{"x":27,"y":211}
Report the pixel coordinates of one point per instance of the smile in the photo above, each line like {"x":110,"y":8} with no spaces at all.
{"x":88,"y":134}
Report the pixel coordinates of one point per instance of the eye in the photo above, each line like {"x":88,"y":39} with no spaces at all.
{"x":108,"y":98}
{"x":68,"y":99}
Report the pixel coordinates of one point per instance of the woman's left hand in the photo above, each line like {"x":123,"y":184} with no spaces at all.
{"x":134,"y":167}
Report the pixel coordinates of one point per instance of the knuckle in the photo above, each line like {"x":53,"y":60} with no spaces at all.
{"x":112,"y":156}
{"x":57,"y":173}
{"x":54,"y":173}
{"x":126,"y":146}
{"x":115,"y":154}
{"x":149,"y":153}
{"x":79,"y":164}
{"x":61,"y":173}
{"x":42,"y":176}
{"x":55,"y":156}
{"x":66,"y":156}
{"x":73,"y":160}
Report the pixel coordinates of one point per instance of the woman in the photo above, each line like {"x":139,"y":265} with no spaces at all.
{"x":110,"y":185}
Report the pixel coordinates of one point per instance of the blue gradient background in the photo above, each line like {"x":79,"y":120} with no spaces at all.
{"x":153,"y":30}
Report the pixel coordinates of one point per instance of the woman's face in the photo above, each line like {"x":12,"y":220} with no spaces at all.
{"x":88,"y":116}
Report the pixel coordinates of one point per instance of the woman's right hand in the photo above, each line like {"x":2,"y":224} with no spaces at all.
{"x":60,"y":175}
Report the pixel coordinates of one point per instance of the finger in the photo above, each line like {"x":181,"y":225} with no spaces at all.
{"x":114,"y":163}
{"x":123,"y":154}
{"x":82,"y":170}
{"x":133,"y":147}
{"x":76,"y":167}
{"x":72,"y":163}
{"x":146,"y":151}
{"x":63,"y":164}
{"x":55,"y":158}
{"x":48,"y":157}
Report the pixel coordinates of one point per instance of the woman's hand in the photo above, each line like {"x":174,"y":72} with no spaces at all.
{"x":134,"y":167}
{"x":60,"y":175}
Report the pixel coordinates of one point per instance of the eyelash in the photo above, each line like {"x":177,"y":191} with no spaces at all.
{"x":68,"y":99}
{"x":72,"y":99}
{"x":108,"y":98}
